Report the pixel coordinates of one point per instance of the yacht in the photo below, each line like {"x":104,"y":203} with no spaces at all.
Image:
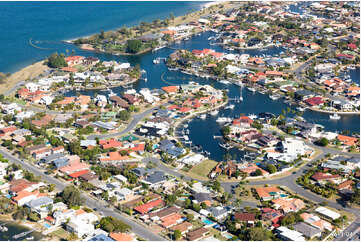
{"x":225,"y":146}
{"x":301,"y":109}
{"x":214,"y":112}
{"x":335,"y":116}
{"x":251,"y":89}
{"x":173,"y":69}
{"x":156,"y":61}
{"x":225,"y":82}
{"x":158,"y":48}
{"x":223,"y":120}
{"x":203,"y":116}
{"x":30,"y":238}
{"x":241,"y":99}
{"x":252,"y":116}
{"x":231,"y":106}
{"x":274,"y":96}
{"x":111,"y":93}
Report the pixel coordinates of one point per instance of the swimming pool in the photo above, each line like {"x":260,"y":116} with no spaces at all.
{"x":283,"y":195}
{"x":227,"y":236}
{"x":207,"y":221}
{"x":46,"y":225}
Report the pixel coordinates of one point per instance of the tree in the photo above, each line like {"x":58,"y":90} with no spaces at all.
{"x":226,"y":130}
{"x":177,"y":234}
{"x":124,"y":115}
{"x":322,"y":142}
{"x":258,"y":172}
{"x":258,"y":234}
{"x":134,"y":46}
{"x":111,"y":224}
{"x":271,"y":168}
{"x":56,"y":61}
{"x":71,"y":196}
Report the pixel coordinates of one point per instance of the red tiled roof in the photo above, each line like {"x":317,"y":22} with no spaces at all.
{"x":145,"y":208}
{"x":78,"y":173}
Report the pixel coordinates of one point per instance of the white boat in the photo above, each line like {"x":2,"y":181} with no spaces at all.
{"x":156,"y":61}
{"x":274,"y":97}
{"x":225,"y":146}
{"x":111,"y":93}
{"x":30,"y":238}
{"x":252,"y":116}
{"x":231,"y":106}
{"x":214,"y":112}
{"x":301,"y":109}
{"x":173,"y":69}
{"x":251,"y":89}
{"x":241,"y":99}
{"x":225,"y":82}
{"x":335,"y":116}
{"x":223,"y":120}
{"x":158,"y":48}
{"x":203,"y":116}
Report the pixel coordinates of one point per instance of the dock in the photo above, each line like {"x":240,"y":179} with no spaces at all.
{"x":17,"y":236}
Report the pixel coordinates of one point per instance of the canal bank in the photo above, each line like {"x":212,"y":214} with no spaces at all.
{"x":16,"y":228}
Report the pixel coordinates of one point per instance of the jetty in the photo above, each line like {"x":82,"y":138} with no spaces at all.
{"x":17,"y":236}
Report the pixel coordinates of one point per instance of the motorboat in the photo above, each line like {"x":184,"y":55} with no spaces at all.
{"x":214,"y":112}
{"x":173,"y":69}
{"x":111,"y":93}
{"x":335,"y":116}
{"x":203,"y":116}
{"x":251,"y":89}
{"x":252,"y":116}
{"x":156,"y":61}
{"x":225,"y":82}
{"x":223,"y":120}
{"x":30,"y":238}
{"x":225,"y":146}
{"x":274,"y":96}
{"x":231,"y":106}
{"x":301,"y":109}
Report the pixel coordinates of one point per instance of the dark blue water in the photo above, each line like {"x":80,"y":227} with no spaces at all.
{"x":48,"y":23}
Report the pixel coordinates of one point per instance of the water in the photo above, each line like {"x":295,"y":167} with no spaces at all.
{"x":48,"y":23}
{"x":14,"y":229}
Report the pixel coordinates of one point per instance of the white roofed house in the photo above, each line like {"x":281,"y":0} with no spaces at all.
{"x":124,"y":194}
{"x":295,"y":147}
{"x":121,"y":66}
{"x":41,"y":206}
{"x":32,"y":87}
{"x":101,"y":100}
{"x":46,"y":100}
{"x":82,"y":224}
{"x":24,"y":115}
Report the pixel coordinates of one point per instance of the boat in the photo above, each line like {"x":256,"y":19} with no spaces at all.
{"x":156,"y":61}
{"x":274,"y":96}
{"x":173,"y":69}
{"x":158,"y":48}
{"x":225,"y":146}
{"x":111,"y":93}
{"x":203,"y":116}
{"x":3,"y":228}
{"x":301,"y":109}
{"x":30,"y":238}
{"x":241,"y":99}
{"x":251,"y":89}
{"x":231,"y":106}
{"x":225,"y":82}
{"x":223,"y":120}
{"x":214,"y":112}
{"x":335,"y":116}
{"x":252,"y":116}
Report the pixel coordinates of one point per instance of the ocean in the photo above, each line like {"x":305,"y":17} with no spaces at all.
{"x":49,"y":23}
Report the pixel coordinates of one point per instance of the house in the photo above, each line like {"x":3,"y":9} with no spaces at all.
{"x":182,"y":227}
{"x":316,"y":222}
{"x":288,"y":204}
{"x":18,"y":185}
{"x":268,"y":193}
{"x":100,"y":237}
{"x":163,"y":213}
{"x":124,"y":194}
{"x":197,"y":234}
{"x":170,"y":89}
{"x":347,"y":140}
{"x":307,"y":230}
{"x":321,"y":177}
{"x":119,"y":102}
{"x":285,"y":233}
{"x":40,"y":205}
{"x":219,"y":213}
{"x":145,"y":208}
{"x":345,"y":185}
{"x":81,"y":223}
{"x":155,"y":179}
{"x":24,"y":197}
{"x":249,"y":218}
{"x":270,"y":214}
{"x":74,"y":60}
{"x":203,"y":198}
{"x":327,"y":213}
{"x":121,"y":236}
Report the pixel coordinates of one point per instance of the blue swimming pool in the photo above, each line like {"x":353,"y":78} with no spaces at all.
{"x":283,"y":195}
{"x":46,"y":225}
{"x":227,"y":236}
{"x":207,"y":221}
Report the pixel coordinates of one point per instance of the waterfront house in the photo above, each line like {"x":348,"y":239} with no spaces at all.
{"x":74,"y":60}
{"x":40,"y":205}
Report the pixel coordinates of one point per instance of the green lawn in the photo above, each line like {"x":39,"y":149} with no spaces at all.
{"x":60,"y":233}
{"x":202,"y":169}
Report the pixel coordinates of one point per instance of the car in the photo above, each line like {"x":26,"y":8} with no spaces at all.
{"x":294,"y":172}
{"x":95,"y":209}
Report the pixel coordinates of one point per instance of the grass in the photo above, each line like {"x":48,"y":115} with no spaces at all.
{"x":202,"y":169}
{"x":60,"y":233}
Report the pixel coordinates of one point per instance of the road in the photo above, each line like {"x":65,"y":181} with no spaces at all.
{"x":136,"y":119}
{"x":138,"y":229}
